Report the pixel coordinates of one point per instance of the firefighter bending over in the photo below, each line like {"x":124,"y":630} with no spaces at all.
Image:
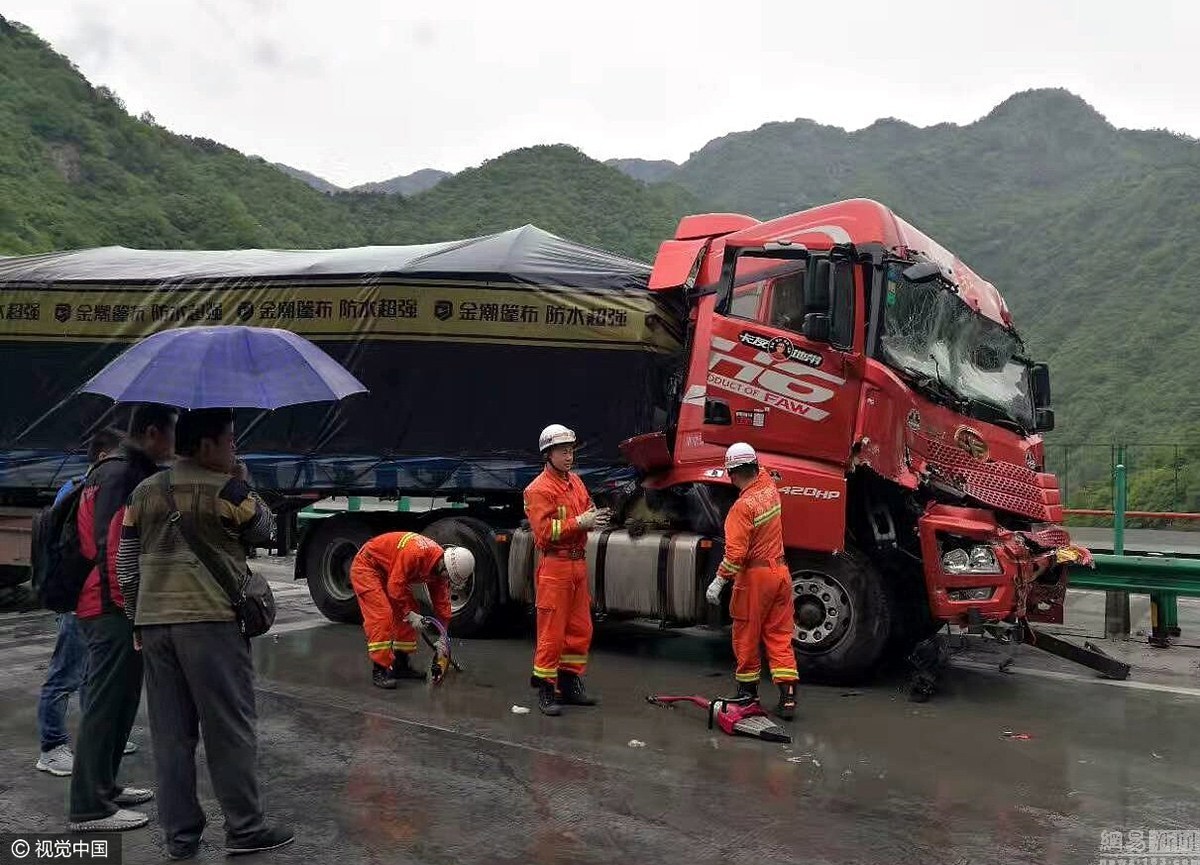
{"x":383,"y":574}
{"x":561,"y":513}
{"x":761,"y":602}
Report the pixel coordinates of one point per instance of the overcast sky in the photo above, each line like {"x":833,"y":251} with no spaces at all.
{"x":361,"y":90}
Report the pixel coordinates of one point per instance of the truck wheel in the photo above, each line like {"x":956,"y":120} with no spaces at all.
{"x":475,"y":601}
{"x":842,"y":618}
{"x":327,"y":558}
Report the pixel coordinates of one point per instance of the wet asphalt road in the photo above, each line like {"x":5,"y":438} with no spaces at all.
{"x":453,"y":776}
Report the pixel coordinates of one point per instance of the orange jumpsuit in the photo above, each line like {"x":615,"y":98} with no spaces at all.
{"x":383,"y":574}
{"x":564,"y":618}
{"x":761,"y":605}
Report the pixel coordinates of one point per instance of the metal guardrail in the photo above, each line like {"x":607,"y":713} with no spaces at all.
{"x":1163,"y":579}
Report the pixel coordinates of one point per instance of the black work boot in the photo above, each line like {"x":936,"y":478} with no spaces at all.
{"x":548,"y":698}
{"x":573,"y":692}
{"x":787,"y":701}
{"x":402,"y":668}
{"x":747,"y":689}
{"x":381,"y":677}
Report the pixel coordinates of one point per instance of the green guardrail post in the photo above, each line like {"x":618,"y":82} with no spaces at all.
{"x":403,"y":504}
{"x":353,"y":503}
{"x":1116,"y":604}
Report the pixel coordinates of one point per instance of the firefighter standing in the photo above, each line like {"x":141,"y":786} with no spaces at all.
{"x":383,"y":574}
{"x":761,"y":603}
{"x":561,"y":513}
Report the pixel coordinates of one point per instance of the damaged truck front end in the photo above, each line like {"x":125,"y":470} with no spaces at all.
{"x":951,"y":383}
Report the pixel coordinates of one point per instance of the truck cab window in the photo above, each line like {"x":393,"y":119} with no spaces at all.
{"x":746,"y":300}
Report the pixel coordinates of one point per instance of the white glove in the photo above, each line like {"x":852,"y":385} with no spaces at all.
{"x":587,"y":520}
{"x":603,"y":519}
{"x":714,"y":590}
{"x":442,"y":647}
{"x":416,"y":620}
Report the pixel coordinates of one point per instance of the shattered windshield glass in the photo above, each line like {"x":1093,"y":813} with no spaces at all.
{"x":947,"y":347}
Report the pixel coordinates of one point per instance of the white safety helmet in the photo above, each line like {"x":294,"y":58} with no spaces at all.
{"x":460,"y":563}
{"x":739,"y":454}
{"x":555,"y":434}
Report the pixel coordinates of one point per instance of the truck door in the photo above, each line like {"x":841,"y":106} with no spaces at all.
{"x":781,"y":368}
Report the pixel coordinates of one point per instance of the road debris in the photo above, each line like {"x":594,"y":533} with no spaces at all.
{"x":520,"y":710}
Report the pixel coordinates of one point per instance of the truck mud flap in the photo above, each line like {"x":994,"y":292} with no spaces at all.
{"x":1088,"y":655}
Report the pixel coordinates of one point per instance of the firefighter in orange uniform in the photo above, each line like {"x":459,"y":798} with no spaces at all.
{"x":761,"y":603}
{"x":383,"y":574}
{"x":561,"y":514}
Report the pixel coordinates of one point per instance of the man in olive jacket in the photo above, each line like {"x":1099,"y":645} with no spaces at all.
{"x":199,"y":670}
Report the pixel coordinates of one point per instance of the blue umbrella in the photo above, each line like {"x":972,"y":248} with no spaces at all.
{"x":224,"y":367}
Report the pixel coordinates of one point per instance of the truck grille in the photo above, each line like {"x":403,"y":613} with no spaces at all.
{"x":1005,"y":486}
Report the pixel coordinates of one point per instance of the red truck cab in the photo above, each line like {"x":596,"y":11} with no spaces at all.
{"x":886,"y":390}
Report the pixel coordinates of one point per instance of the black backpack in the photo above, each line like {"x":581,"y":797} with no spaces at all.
{"x":59,"y":566}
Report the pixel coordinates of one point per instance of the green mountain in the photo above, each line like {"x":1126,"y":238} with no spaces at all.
{"x":318,"y":183}
{"x":406,"y":184}
{"x":77,"y":171}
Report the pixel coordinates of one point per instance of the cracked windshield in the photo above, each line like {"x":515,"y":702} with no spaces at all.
{"x":948,"y":348}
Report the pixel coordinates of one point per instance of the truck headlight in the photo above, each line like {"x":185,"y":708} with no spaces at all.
{"x":979,"y":559}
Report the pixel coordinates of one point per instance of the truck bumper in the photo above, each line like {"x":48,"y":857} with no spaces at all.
{"x":1028,"y":570}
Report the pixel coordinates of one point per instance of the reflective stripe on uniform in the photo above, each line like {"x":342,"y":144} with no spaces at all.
{"x":730,"y":566}
{"x":767,"y":516}
{"x":404,"y":539}
{"x":752,"y":676}
{"x":555,"y":529}
{"x":379,"y":647}
{"x":573,"y":659}
{"x":543,"y":673}
{"x":784,"y":673}
{"x":401,"y":646}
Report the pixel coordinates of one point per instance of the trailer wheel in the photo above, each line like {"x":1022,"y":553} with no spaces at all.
{"x":473,"y":602}
{"x":327,"y":558}
{"x":842,"y":617}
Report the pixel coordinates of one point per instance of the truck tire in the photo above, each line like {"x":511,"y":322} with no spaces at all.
{"x":842,"y":616}
{"x":327,"y":557}
{"x":474,"y":604}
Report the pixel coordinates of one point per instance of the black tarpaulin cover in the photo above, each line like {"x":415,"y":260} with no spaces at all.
{"x":468,"y":347}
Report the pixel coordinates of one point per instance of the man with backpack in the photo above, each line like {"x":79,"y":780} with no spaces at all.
{"x":68,"y":663}
{"x":114,"y":667}
{"x":183,"y":541}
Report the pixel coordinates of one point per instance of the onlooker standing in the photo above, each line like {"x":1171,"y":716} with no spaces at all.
{"x":114,"y":668}
{"x":199,"y":670}
{"x":68,"y":663}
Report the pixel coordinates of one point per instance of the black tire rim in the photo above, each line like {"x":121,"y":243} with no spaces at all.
{"x":821,"y":612}
{"x":335,"y":569}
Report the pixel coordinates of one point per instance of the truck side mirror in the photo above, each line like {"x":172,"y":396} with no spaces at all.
{"x":1043,"y":420}
{"x":1039,"y":385}
{"x":816,"y":327}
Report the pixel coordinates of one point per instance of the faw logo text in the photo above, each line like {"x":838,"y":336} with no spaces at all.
{"x":811,"y":492}
{"x":783,"y":384}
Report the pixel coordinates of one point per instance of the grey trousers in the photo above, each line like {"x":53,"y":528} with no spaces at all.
{"x":201,"y":675}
